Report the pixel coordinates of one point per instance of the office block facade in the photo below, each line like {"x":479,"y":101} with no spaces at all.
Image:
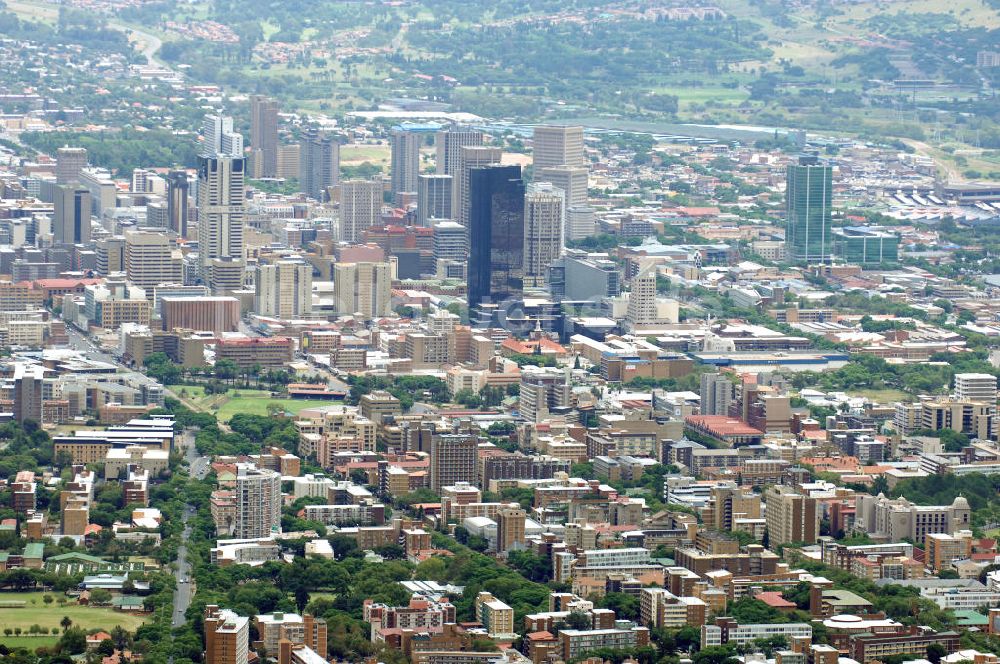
{"x":809,"y":205}
{"x":496,"y":234}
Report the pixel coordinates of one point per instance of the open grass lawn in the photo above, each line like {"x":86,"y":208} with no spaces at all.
{"x":36,"y":612}
{"x":28,"y":642}
{"x":355,"y":155}
{"x":881,"y":396}
{"x":224,"y":406}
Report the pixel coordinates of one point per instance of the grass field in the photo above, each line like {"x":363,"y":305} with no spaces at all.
{"x":881,"y":396}
{"x":224,"y":406}
{"x":49,"y":615}
{"x":28,"y":642}
{"x":355,"y":155}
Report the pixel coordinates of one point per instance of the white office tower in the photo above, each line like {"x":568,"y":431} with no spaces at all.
{"x":642,"y":301}
{"x":218,"y":137}
{"x":574,"y":180}
{"x":543,"y":231}
{"x":976,"y":387}
{"x":557,"y":146}
{"x":450,"y":241}
{"x":449,"y":145}
{"x":258,"y":502}
{"x":433,"y":198}
{"x":360,"y":207}
{"x":581,"y":222}
{"x":221,"y":213}
{"x":284,"y":289}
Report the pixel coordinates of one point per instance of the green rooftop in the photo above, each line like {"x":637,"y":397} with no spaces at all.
{"x":34,"y":550}
{"x":969,"y":618}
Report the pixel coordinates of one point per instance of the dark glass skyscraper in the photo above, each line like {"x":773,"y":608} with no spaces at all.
{"x":809,"y":203}
{"x":496,"y":234}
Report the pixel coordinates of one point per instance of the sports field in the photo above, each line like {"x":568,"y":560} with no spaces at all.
{"x":224,"y":406}
{"x":48,"y":616}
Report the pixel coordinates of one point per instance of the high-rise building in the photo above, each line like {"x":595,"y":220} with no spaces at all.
{"x":360,"y":207}
{"x":28,"y":380}
{"x":790,"y":516}
{"x":579,"y":277}
{"x":258,"y":502}
{"x":542,"y":389}
{"x":450,"y":241}
{"x":218,"y":137}
{"x":227,"y":636}
{"x":110,"y":255}
{"x":809,"y":205}
{"x":581,"y":222}
{"x":469,"y":157}
{"x":716,"y":394}
{"x":510,"y":527}
{"x":319,"y":163}
{"x":543,"y":231}
{"x":449,"y":145}
{"x":976,"y":387}
{"x":150,"y":260}
{"x":177,"y":202}
{"x":284,"y":289}
{"x":362,"y":288}
{"x":71,"y":214}
{"x":496,"y":234}
{"x":221,"y":212}
{"x":405,"y":160}
{"x":264,"y":136}
{"x":69,"y":163}
{"x":454,"y":459}
{"x":573,"y":180}
{"x":642,"y":300}
{"x":433,"y":198}
{"x":557,"y":146}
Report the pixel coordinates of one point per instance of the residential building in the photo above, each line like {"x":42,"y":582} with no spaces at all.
{"x":227,"y":636}
{"x":542,"y":389}
{"x":496,"y":617}
{"x":454,"y":459}
{"x":219,"y":139}
{"x":258,"y":502}
{"x":791,"y":516}
{"x":284,"y":289}
{"x":716,"y":393}
{"x":449,"y":145}
{"x":362,"y":289}
{"x":510,"y":527}
{"x":360,"y":207}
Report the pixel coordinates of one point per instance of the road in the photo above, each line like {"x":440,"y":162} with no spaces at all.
{"x":79,"y":342}
{"x":198,"y":466}
{"x":144,"y":42}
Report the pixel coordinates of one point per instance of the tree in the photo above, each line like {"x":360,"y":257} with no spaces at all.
{"x":65,"y":623}
{"x":73,"y":641}
{"x":100,"y":596}
{"x":935,"y":652}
